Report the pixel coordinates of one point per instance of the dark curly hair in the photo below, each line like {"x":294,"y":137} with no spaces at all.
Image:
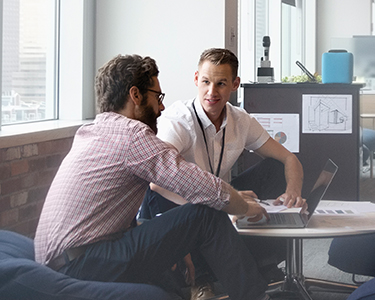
{"x":220,"y":56}
{"x":114,"y":80}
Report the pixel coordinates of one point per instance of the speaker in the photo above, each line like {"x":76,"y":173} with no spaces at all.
{"x":337,"y":67}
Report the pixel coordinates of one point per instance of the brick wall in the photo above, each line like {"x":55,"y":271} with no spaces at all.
{"x":26,"y":173}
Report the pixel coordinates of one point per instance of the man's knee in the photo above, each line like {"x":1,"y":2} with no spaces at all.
{"x":202,"y":213}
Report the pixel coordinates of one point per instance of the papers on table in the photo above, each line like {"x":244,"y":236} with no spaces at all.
{"x":272,"y":208}
{"x":326,"y":207}
{"x":337,"y":208}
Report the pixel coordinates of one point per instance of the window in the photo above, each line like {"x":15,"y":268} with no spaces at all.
{"x":29,"y":61}
{"x":292,"y":34}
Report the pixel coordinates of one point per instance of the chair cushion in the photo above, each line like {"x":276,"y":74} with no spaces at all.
{"x":368,"y":138}
{"x":23,"y":278}
{"x":14,"y":245}
{"x":365,"y":292}
{"x":353,"y":254}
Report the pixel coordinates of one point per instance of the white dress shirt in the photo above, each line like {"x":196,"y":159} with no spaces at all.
{"x":178,"y":125}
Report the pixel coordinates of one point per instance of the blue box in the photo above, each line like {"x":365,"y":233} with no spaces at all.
{"x":337,"y":67}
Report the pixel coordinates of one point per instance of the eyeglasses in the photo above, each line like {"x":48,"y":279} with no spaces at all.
{"x":160,"y":95}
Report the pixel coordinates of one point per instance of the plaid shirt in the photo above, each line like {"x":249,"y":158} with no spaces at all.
{"x":100,"y":185}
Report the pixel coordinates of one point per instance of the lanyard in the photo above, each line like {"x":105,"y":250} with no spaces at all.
{"x":205,"y":141}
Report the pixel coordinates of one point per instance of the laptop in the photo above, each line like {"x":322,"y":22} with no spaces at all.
{"x":297,"y":219}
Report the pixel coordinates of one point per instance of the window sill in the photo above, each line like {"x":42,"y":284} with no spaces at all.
{"x":23,"y":134}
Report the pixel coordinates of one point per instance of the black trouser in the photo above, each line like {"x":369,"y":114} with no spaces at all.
{"x":267,"y":180}
{"x":144,"y":253}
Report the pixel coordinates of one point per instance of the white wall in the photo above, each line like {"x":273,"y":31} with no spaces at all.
{"x":176,"y":32}
{"x":172,"y":32}
{"x":340,"y":19}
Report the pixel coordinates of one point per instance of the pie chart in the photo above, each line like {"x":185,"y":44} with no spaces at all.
{"x":280,"y":137}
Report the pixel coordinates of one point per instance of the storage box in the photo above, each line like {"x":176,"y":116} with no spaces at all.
{"x":337,"y":67}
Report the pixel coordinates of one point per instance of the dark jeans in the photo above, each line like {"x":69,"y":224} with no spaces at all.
{"x":267,"y":180}
{"x":146,"y":251}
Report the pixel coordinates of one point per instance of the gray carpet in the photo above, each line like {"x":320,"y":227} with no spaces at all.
{"x":315,"y":257}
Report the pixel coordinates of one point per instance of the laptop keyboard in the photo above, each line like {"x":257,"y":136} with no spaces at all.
{"x":282,"y":219}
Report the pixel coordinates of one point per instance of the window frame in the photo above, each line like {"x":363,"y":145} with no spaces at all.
{"x":248,"y":45}
{"x":75,"y":81}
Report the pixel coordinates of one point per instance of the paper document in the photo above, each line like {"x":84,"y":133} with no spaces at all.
{"x":337,"y":208}
{"x":272,"y":208}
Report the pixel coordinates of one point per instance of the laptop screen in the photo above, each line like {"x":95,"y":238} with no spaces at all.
{"x":321,"y":186}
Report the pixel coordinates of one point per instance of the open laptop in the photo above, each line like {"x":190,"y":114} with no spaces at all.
{"x":293,"y":219}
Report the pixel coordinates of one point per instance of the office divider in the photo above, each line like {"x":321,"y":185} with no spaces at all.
{"x":316,"y":122}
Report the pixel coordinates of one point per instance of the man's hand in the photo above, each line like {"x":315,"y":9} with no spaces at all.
{"x":190,"y":270}
{"x":254,"y":212}
{"x":291,"y":200}
{"x":248,"y":195}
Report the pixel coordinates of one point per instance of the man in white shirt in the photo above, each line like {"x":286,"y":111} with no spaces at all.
{"x":212,"y":133}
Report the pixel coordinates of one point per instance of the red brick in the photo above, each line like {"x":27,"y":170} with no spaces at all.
{"x":45,"y":148}
{"x":10,"y":186}
{"x":64,"y":145}
{"x":26,"y":228}
{"x":18,"y":183}
{"x":38,"y":194}
{"x":37,"y":164}
{"x":4,"y":203}
{"x":29,"y":150}
{"x":19,"y":167}
{"x":39,"y":205}
{"x":2,"y":155}
{"x":46,"y":177}
{"x":29,"y":180}
{"x":12,"y":153}
{"x":4,"y":171}
{"x":18,"y":199}
{"x":56,"y":146}
{"x":9,"y":217}
{"x":54,"y":161}
{"x":28,"y":212}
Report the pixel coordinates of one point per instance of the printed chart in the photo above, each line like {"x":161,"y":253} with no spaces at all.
{"x":284,"y":128}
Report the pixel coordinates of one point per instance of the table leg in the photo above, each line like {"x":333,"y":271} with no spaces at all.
{"x":295,"y":282}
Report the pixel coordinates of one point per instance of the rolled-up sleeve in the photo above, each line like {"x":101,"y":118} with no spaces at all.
{"x":156,"y":162}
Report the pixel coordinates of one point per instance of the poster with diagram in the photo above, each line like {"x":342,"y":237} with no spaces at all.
{"x":284,"y":128}
{"x":327,"y":114}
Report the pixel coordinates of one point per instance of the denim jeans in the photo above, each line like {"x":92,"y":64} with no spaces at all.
{"x":145,"y":252}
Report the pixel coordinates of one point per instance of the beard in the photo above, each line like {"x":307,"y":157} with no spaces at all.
{"x":146,"y":114}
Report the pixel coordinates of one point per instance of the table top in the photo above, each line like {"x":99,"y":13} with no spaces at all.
{"x":322,"y":226}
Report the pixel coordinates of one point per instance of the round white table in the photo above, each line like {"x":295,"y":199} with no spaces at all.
{"x":320,"y":226}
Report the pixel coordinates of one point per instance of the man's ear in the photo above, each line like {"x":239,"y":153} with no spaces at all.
{"x":236,"y":83}
{"x":196,"y":75}
{"x":135,"y":95}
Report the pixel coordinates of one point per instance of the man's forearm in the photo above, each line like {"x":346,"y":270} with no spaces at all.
{"x":237,"y":205}
{"x":293,"y":174}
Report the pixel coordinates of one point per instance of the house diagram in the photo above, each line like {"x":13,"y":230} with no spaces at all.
{"x":327,"y":114}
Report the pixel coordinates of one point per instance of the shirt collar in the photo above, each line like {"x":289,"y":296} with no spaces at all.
{"x":206,"y":122}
